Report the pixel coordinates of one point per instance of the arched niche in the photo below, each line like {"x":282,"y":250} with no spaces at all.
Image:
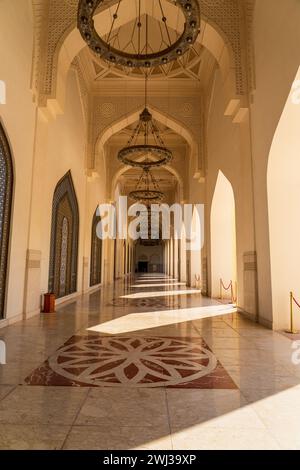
{"x":223,"y":236}
{"x":64,"y":239}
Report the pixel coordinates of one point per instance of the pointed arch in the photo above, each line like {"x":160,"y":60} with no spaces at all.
{"x":223,"y":235}
{"x":96,"y":252}
{"x":172,"y":170}
{"x":64,"y":239}
{"x":164,"y":118}
{"x":6,"y":194}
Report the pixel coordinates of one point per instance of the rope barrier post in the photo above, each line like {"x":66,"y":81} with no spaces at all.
{"x":291,"y":312}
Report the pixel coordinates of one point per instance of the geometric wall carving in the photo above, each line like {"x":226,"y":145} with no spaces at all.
{"x":64,"y":239}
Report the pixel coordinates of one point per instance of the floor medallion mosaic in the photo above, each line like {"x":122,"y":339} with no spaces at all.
{"x":142,"y":362}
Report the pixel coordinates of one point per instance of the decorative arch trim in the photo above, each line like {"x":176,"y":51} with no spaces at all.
{"x":6,"y":194}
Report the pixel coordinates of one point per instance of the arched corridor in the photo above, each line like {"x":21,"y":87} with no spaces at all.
{"x":149,"y":229}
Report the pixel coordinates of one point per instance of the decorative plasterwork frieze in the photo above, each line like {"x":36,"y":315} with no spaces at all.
{"x":249,"y":6}
{"x":56,"y":18}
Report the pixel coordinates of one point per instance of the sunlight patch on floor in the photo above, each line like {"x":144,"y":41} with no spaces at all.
{"x":142,"y":295}
{"x":145,"y":320}
{"x":160,"y":285}
{"x":155,"y":279}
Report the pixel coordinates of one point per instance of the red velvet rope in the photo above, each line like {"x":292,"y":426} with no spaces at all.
{"x":226,"y":288}
{"x":298,"y":305}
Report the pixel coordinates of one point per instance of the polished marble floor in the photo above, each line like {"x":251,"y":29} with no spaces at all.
{"x":147,"y":364}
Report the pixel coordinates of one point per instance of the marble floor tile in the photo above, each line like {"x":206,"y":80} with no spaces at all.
{"x":221,"y":408}
{"x":5,"y":390}
{"x":15,"y":373}
{"x":230,"y":343}
{"x":125,"y":407}
{"x":211,"y":438}
{"x":118,"y":438}
{"x":42,"y":405}
{"x":212,"y":333}
{"x":246,"y":357}
{"x":280,"y":412}
{"x":262,"y":377}
{"x":32,"y":437}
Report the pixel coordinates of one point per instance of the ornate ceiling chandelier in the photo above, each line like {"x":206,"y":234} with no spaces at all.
{"x":131,"y":47}
{"x":146,"y":155}
{"x":152,"y":151}
{"x":147,"y":190}
{"x":145,"y":148}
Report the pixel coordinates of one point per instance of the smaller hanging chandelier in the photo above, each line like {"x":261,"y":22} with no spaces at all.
{"x":152,"y":152}
{"x":145,"y":148}
{"x":147,"y":190}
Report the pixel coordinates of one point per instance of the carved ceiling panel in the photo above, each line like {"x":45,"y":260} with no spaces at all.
{"x":54,"y":19}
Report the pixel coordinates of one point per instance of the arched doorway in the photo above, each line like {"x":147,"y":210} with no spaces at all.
{"x":64,"y":239}
{"x":223,"y":237}
{"x":6,"y":191}
{"x":96,"y":253}
{"x":284,"y":209}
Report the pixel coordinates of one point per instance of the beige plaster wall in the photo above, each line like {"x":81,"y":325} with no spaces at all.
{"x":228,"y":150}
{"x":283,"y":202}
{"x":60,"y":146}
{"x":276,"y":36}
{"x":18,"y":119}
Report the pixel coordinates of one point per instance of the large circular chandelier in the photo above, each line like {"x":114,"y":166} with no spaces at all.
{"x":152,"y":152}
{"x":140,"y":48}
{"x":147,"y":190}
